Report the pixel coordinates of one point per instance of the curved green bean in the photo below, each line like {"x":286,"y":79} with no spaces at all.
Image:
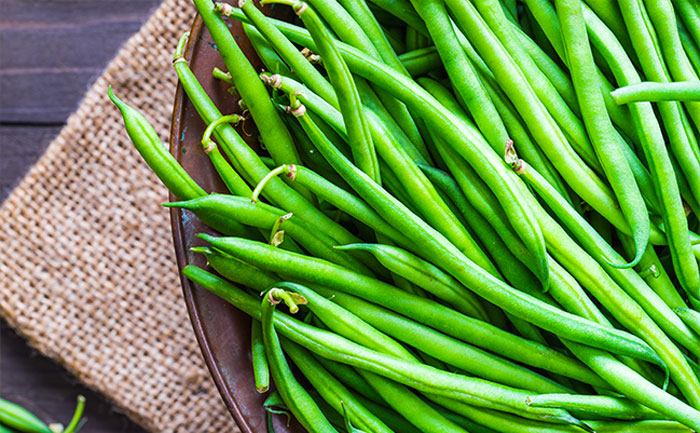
{"x":599,"y":126}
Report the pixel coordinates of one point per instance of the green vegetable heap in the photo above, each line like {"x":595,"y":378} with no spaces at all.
{"x":481,"y":232}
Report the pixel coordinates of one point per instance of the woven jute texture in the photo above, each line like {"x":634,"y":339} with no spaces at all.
{"x":87,"y":272}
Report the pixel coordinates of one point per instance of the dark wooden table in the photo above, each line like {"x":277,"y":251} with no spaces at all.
{"x":50,"y":53}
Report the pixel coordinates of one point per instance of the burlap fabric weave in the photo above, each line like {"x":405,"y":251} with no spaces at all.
{"x":87,"y":272}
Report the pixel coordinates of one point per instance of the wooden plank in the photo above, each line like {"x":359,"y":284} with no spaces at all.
{"x":20,"y":148}
{"x":53,"y":50}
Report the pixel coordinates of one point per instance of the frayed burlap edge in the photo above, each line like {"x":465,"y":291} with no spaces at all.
{"x":87,"y":272}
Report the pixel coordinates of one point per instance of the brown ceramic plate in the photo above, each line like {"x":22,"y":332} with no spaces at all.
{"x":222,"y":331}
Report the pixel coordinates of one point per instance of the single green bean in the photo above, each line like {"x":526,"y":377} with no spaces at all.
{"x":690,"y":317}
{"x":594,"y":405}
{"x":655,"y":92}
{"x":166,"y":167}
{"x":261,"y":369}
{"x":599,"y":126}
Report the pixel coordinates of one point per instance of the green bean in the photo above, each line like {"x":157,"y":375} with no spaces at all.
{"x":425,"y":275}
{"x":266,"y":217}
{"x":594,"y":405}
{"x":154,"y":152}
{"x":599,"y":126}
{"x":403,"y":10}
{"x":663,"y":19}
{"x":351,"y":33}
{"x":654,"y":274}
{"x":324,"y":273}
{"x":166,"y":167}
{"x":423,"y":192}
{"x":231,"y":179}
{"x":294,"y":395}
{"x":261,"y":369}
{"x":351,"y":378}
{"x":628,"y":279}
{"x":461,"y":72}
{"x":671,"y":113}
{"x":412,"y":407}
{"x":635,"y":386}
{"x":442,"y":347}
{"x":655,"y":92}
{"x":420,"y":62}
{"x":274,"y":134}
{"x":359,"y":135}
{"x":347,"y":324}
{"x":248,"y":163}
{"x":609,"y":13}
{"x":480,"y":334}
{"x":333,"y":392}
{"x":464,"y":137}
{"x":689,"y":14}
{"x":17,"y":417}
{"x":653,"y":144}
{"x":691,"y":48}
{"x":690,"y":317}
{"x":349,"y":204}
{"x":414,"y":374}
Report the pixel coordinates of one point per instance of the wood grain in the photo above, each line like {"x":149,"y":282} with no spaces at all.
{"x":53,"y":50}
{"x":50,"y":53}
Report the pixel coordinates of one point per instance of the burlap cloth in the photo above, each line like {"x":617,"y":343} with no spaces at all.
{"x":87,"y":272}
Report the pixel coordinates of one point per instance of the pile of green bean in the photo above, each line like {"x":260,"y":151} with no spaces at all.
{"x":481,"y":215}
